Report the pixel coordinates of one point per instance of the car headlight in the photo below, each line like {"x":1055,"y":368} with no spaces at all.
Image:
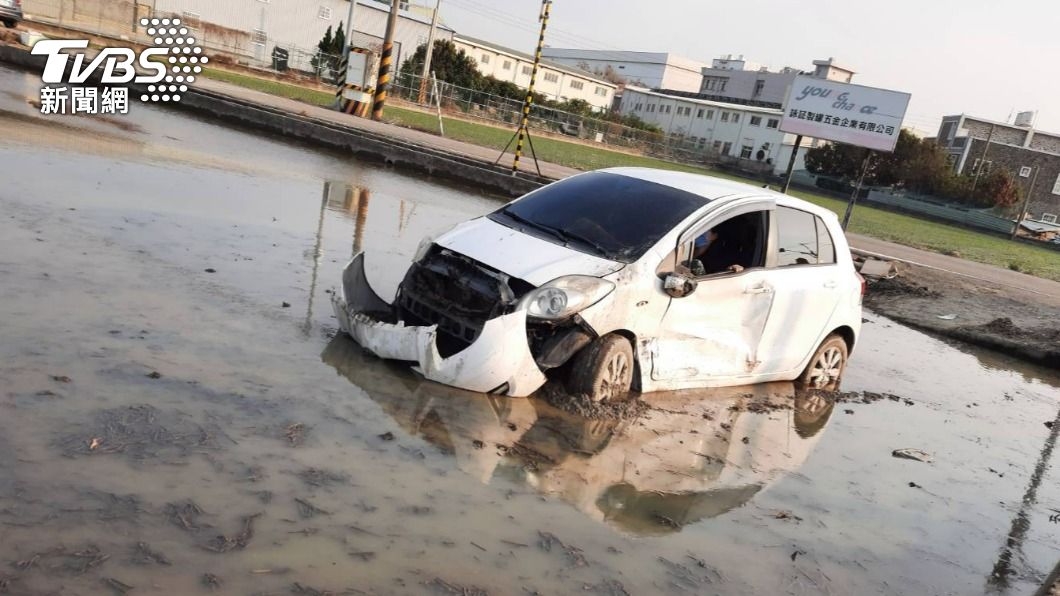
{"x":565,"y":296}
{"x":422,"y":249}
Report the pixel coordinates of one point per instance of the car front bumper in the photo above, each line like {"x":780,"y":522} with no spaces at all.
{"x":498,"y":361}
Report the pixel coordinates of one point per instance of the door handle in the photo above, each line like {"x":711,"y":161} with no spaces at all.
{"x":830,"y":284}
{"x":758,"y":290}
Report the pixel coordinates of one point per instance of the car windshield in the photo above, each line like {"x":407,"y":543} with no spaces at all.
{"x":608,"y":215}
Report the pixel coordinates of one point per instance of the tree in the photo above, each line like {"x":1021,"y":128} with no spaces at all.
{"x":448,"y":63}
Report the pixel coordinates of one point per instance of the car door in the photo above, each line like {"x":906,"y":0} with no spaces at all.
{"x":713,"y":334}
{"x":808,"y":288}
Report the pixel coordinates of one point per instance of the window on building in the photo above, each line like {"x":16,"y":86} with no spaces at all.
{"x":724,"y":116}
{"x":651,"y":107}
{"x":745,"y":151}
{"x":577,"y":85}
{"x":796,"y":237}
{"x":259,"y":37}
{"x":710,"y":114}
{"x":756,"y":121}
{"x":528,"y":70}
{"x":759,"y":86}
{"x":601,"y":91}
{"x":702,"y":143}
{"x":693,"y":140}
{"x":1056,"y":186}
{"x":726,"y":148}
{"x":636,"y":108}
{"x":735,"y":118}
{"x":507,"y":65}
{"x":772,"y":123}
{"x":717,"y":145}
{"x":552,"y":77}
{"x":324,"y":12}
{"x":485,"y":59}
{"x":699,"y":113}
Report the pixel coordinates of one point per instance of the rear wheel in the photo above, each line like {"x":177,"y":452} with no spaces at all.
{"x":825,"y":369}
{"x":603,"y":370}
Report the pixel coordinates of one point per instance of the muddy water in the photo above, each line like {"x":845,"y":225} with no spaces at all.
{"x":266,"y":456}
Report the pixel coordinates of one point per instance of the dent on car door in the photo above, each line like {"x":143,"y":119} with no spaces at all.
{"x":809,"y":287}
{"x":715,"y":333}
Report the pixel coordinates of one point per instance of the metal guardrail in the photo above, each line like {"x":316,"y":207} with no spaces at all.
{"x":969,"y":217}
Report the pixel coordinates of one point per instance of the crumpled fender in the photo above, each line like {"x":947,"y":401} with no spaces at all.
{"x":501,"y":354}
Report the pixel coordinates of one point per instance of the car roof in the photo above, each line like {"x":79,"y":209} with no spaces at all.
{"x":712,"y":187}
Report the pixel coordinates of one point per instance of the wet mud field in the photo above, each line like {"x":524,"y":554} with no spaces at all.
{"x":177,"y":415}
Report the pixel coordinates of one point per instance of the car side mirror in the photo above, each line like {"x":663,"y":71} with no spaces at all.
{"x":678,"y":286}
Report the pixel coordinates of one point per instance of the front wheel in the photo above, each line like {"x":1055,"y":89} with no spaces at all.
{"x":825,"y":369}
{"x":603,"y":370}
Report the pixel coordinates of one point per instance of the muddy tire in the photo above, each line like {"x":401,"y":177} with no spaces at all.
{"x":827,"y":365}
{"x":603,"y":370}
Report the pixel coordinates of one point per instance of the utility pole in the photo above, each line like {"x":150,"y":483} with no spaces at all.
{"x":385,"y":61}
{"x":982,"y":159}
{"x":1026,"y":204}
{"x":524,"y":130}
{"x":349,"y":33}
{"x":429,"y":53}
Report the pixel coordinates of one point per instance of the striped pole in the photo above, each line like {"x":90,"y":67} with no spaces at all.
{"x":523,"y":130}
{"x":385,"y":61}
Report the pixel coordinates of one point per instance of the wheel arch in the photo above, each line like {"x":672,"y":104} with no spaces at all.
{"x":847,"y":333}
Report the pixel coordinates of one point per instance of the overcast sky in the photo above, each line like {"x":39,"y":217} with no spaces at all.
{"x":987,"y":58}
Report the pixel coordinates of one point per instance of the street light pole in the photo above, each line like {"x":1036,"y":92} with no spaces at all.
{"x":429,"y":53}
{"x":349,"y":31}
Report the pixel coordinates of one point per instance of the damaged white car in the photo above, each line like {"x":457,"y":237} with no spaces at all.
{"x":618,"y":280}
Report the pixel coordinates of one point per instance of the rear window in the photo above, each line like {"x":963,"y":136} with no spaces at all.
{"x":608,"y":215}
{"x":802,"y":239}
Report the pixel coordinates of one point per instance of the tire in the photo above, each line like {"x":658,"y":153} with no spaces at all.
{"x":603,"y":370}
{"x":10,"y":24}
{"x":826,"y":367}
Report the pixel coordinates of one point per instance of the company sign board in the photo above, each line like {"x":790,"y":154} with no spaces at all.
{"x":845,"y":113}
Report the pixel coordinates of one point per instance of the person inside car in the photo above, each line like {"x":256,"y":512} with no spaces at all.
{"x":714,"y":254}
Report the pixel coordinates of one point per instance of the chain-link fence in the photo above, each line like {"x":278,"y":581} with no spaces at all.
{"x":231,"y":36}
{"x":479,"y":105}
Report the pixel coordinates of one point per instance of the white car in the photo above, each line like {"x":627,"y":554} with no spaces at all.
{"x":622,"y":279}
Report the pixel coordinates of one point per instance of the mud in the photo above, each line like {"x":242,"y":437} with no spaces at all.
{"x":967,"y":310}
{"x":273,"y":457}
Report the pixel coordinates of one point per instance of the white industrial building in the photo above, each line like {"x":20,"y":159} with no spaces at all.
{"x":730,"y":131}
{"x":654,"y":70}
{"x":733,"y":77}
{"x":252,"y":29}
{"x":555,"y":81}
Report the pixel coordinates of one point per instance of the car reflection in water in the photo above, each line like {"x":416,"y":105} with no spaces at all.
{"x":695,"y":455}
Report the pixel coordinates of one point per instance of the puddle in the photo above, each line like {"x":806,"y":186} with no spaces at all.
{"x":177,"y":431}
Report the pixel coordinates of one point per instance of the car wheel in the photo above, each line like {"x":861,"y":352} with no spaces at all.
{"x":10,"y":24}
{"x":603,"y":370}
{"x":825,"y":369}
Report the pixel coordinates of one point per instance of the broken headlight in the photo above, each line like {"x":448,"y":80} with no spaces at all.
{"x":565,"y":296}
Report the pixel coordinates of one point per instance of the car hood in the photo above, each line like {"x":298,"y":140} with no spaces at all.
{"x":521,"y":255}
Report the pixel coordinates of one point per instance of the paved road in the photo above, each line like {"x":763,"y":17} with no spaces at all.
{"x":1034,"y":285}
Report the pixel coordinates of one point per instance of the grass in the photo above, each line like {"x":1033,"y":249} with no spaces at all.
{"x":869,"y":221}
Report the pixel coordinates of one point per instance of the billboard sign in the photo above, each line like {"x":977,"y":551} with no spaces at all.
{"x":845,"y":113}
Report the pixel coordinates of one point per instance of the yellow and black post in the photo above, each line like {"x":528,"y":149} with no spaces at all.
{"x":546,"y":6}
{"x":385,"y":62}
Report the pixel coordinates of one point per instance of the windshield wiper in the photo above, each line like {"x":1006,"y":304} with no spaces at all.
{"x":533,"y":224}
{"x":596,"y":246}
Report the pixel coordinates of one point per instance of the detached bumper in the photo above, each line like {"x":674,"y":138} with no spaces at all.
{"x":498,"y":361}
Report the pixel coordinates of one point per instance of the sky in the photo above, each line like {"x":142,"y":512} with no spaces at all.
{"x":987,"y":58}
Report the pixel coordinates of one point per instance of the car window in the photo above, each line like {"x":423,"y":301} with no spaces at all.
{"x":609,"y":215}
{"x":826,"y":250}
{"x":727,"y":246}
{"x":796,"y":237}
